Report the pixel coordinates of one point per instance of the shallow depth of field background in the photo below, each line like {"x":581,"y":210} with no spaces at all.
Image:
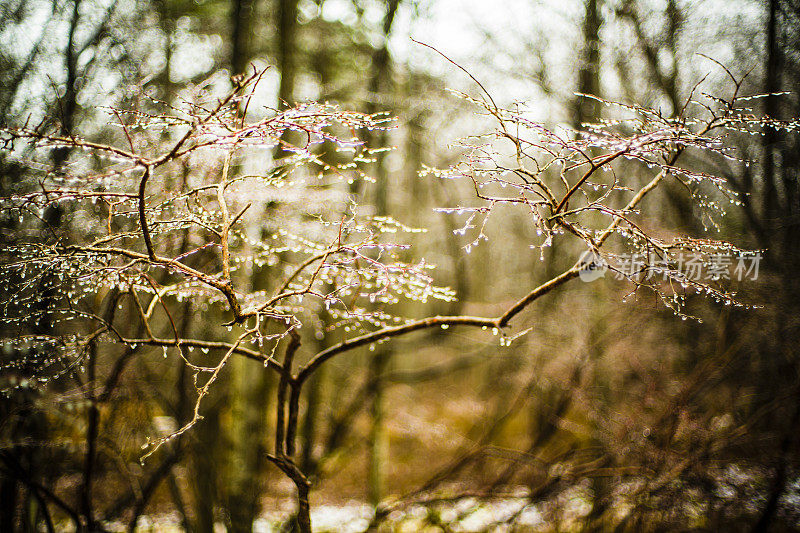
{"x":610,"y":414}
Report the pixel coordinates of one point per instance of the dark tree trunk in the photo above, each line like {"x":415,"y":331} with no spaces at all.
{"x":241,"y":12}
{"x":586,"y":109}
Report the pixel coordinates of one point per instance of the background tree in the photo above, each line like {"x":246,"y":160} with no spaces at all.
{"x":640,"y":418}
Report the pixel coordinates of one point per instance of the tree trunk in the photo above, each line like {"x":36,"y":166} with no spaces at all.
{"x":287,"y":50}
{"x":379,"y":86}
{"x":589,"y":72}
{"x":241,"y":12}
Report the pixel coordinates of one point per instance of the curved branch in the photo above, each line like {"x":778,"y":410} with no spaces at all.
{"x":142,"y":215}
{"x":541,"y":290}
{"x":499,"y":322}
{"x":386,"y":333}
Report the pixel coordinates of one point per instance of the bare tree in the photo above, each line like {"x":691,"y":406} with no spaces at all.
{"x":324,"y":253}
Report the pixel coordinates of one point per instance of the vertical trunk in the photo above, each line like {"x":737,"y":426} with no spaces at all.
{"x":69,"y":103}
{"x":377,"y":433}
{"x":588,"y":110}
{"x":36,"y":427}
{"x":323,"y":66}
{"x":241,"y":11}
{"x":776,"y":167}
{"x":91,"y":437}
{"x":674,"y":24}
{"x":380,"y":85}
{"x":589,"y":72}
{"x":771,"y":85}
{"x":167,"y":17}
{"x":309,"y":431}
{"x":247,"y":433}
{"x":303,"y":508}
{"x":781,"y":474}
{"x":287,"y":64}
{"x":287,"y":50}
{"x":206,"y":470}
{"x":314,"y":400}
{"x":248,"y":379}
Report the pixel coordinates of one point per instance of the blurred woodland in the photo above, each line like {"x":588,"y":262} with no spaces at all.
{"x":219,"y":221}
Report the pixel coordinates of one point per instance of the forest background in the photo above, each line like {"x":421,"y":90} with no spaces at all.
{"x":602,"y":409}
